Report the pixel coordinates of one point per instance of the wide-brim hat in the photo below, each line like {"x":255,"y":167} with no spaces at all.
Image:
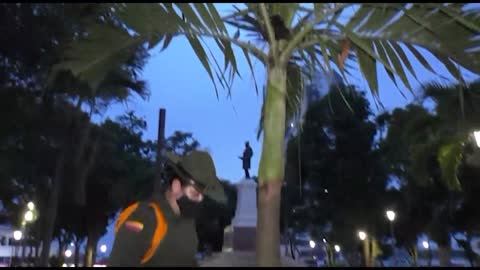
{"x":198,"y":166}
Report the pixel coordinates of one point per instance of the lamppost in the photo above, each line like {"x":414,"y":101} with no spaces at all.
{"x":391,"y":217}
{"x":426,"y":245}
{"x":328,"y":251}
{"x":337,"y":252}
{"x":103,"y":248}
{"x":366,"y":247}
{"x":17,"y":236}
{"x":28,"y":217}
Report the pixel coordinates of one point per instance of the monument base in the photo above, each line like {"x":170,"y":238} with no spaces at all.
{"x":244,"y":238}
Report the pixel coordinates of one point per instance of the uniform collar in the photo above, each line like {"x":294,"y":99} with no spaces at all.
{"x":167,"y":210}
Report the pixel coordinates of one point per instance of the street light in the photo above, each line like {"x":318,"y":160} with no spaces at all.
{"x":362,"y":235}
{"x":28,"y":216}
{"x":476,"y":134}
{"x":425,"y":244}
{"x":31,"y":206}
{"x":337,"y":248}
{"x":391,"y":215}
{"x":17,"y":235}
{"x":68,"y":253}
{"x":103,"y":248}
{"x":312,"y":244}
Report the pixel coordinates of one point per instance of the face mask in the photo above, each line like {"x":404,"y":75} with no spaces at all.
{"x":188,"y":208}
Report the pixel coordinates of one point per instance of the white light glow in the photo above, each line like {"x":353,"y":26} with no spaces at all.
{"x":17,"y":235}
{"x":68,"y":253}
{"x":391,"y":215}
{"x":31,"y":206}
{"x":28,"y":216}
{"x":476,"y":134}
{"x":425,"y":244}
{"x":362,"y":235}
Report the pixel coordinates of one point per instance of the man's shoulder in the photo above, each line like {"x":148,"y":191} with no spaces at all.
{"x":153,"y":209}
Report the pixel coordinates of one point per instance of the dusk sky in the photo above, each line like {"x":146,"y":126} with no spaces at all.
{"x":179,"y":83}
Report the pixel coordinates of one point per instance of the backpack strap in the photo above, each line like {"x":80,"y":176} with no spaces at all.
{"x":124,"y":215}
{"x":159,"y":234}
{"x":160,"y":230}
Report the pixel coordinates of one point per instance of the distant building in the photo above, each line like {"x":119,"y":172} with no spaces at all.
{"x":7,"y":247}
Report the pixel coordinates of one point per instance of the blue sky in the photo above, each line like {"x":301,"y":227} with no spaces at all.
{"x":179,"y":83}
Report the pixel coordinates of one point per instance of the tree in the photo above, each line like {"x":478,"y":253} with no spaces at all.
{"x":51,"y":28}
{"x":343,"y":178}
{"x":430,"y":152}
{"x":181,"y":143}
{"x":411,"y":148}
{"x":317,"y":38}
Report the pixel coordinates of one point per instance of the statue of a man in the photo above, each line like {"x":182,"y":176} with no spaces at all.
{"x":246,"y":157}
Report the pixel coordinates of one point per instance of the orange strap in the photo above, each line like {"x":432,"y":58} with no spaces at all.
{"x":124,"y":215}
{"x":159,"y":233}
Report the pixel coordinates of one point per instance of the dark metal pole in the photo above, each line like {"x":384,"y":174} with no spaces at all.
{"x":392,"y":234}
{"x":160,"y":146}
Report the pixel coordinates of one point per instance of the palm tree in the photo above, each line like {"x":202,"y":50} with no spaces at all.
{"x":293,"y":34}
{"x":120,"y":83}
{"x":433,"y":147}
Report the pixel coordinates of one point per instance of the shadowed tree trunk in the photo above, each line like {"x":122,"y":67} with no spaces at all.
{"x":84,"y":128}
{"x":52,"y":205}
{"x":444,"y":255}
{"x":77,"y":251}
{"x":84,"y":168}
{"x":52,"y":208}
{"x":90,"y":250}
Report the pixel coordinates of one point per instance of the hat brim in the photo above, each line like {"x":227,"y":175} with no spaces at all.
{"x":214,"y":191}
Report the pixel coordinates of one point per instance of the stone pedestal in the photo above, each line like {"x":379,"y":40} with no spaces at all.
{"x":245,"y":220}
{"x":239,"y":239}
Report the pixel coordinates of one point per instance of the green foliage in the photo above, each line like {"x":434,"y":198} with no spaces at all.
{"x":181,"y":143}
{"x":449,"y":159}
{"x":318,"y":36}
{"x":342,"y":173}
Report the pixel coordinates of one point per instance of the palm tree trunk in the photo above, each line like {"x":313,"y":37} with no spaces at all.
{"x":271,"y":170}
{"x":51,"y":212}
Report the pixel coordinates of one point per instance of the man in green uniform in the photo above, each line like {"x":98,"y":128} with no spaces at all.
{"x":161,"y":232}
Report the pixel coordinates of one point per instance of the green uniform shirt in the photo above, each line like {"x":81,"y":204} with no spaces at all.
{"x":177,"y":248}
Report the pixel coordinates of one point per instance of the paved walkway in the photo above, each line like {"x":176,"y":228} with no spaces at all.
{"x":241,"y":259}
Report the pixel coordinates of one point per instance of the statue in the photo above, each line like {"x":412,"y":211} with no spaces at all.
{"x":247,"y":156}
